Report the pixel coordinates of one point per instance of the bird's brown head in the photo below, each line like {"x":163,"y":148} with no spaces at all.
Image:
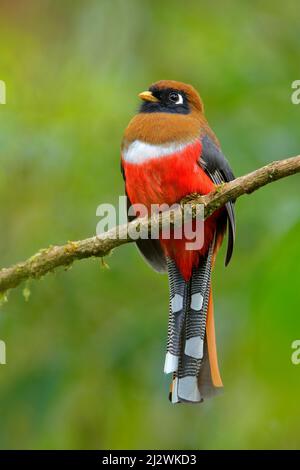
{"x":171,"y":111}
{"x":170,"y":96}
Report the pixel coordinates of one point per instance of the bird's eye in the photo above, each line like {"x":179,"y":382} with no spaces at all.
{"x":175,"y":98}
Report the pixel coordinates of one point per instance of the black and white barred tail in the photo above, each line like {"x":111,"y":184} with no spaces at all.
{"x":187,"y":350}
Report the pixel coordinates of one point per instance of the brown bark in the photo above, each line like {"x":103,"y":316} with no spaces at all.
{"x":47,"y":260}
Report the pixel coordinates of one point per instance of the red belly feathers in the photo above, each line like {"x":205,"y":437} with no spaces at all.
{"x":167,"y":179}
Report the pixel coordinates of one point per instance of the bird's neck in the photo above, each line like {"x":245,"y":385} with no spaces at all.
{"x":162,"y":129}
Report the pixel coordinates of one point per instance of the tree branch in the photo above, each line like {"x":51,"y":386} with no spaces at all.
{"x":47,"y":260}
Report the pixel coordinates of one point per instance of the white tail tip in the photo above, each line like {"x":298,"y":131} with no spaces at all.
{"x":188,"y":390}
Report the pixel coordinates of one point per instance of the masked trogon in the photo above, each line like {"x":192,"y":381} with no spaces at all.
{"x":168,"y":152}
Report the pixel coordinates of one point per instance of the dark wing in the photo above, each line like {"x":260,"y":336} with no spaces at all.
{"x":217,"y":167}
{"x":149,"y":249}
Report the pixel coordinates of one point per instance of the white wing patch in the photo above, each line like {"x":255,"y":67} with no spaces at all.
{"x":139,"y":152}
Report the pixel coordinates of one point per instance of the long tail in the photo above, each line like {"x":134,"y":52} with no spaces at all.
{"x":191,"y":351}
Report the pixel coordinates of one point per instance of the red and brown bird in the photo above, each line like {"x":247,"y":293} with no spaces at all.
{"x":168,"y":152}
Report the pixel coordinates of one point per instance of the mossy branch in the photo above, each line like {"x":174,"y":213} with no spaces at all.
{"x":49,"y":259}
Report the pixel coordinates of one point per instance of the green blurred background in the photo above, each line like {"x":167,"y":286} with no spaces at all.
{"x":85,"y":354}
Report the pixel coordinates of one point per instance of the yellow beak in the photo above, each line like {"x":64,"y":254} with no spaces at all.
{"x":147,"y":96}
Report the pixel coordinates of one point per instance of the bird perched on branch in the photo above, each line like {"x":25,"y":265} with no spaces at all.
{"x":168,"y":152}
